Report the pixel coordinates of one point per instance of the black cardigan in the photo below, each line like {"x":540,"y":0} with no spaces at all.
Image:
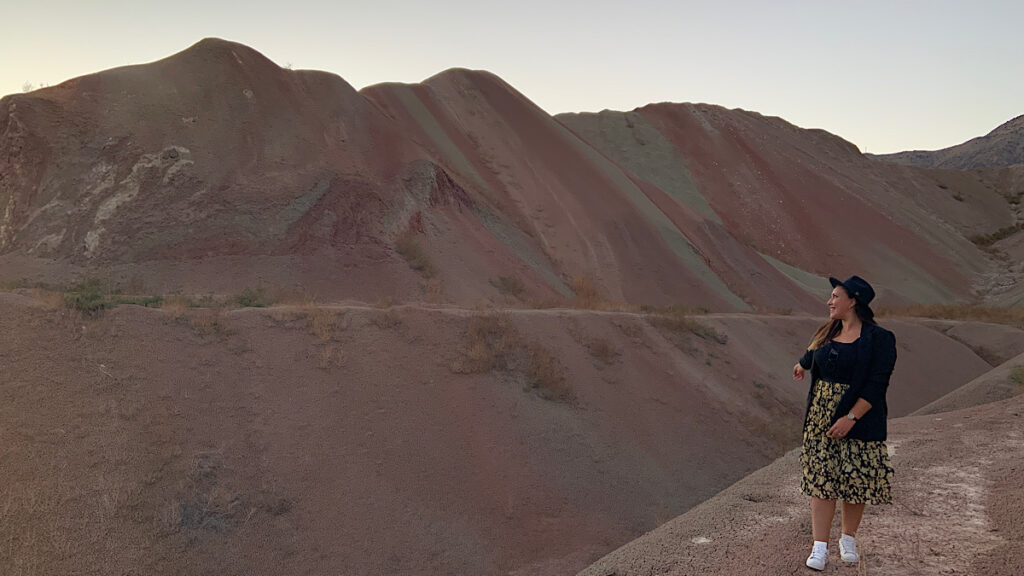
{"x":876,"y":357}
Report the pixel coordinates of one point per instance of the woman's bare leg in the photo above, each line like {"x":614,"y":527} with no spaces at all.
{"x":822,"y":512}
{"x":852,"y":514}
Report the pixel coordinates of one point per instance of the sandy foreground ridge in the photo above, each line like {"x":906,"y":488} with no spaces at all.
{"x":958,"y":509}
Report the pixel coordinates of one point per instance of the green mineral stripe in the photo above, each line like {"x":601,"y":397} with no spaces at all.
{"x":436,"y":132}
{"x":522,"y":246}
{"x":812,"y":283}
{"x":630,"y":140}
{"x":676,"y":240}
{"x":297,"y":208}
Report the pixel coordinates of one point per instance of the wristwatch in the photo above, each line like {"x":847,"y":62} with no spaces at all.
{"x":851,"y":416}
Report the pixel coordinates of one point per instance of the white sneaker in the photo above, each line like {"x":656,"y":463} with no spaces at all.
{"x":848,"y":549}
{"x":819,"y":556}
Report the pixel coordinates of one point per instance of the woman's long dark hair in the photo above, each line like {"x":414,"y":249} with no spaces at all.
{"x":832,"y":327}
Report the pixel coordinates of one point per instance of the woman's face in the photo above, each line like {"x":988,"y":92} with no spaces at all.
{"x":839,"y":303}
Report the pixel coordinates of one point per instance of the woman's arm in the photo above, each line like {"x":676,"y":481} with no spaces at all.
{"x":842,"y":426}
{"x":805,"y":360}
{"x":802,"y":365}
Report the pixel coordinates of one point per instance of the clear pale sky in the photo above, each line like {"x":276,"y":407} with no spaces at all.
{"x":887,"y":75}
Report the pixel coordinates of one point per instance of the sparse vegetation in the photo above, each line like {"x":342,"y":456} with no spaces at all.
{"x":1017,"y":375}
{"x":674,"y":310}
{"x":415,"y":256}
{"x":433,"y":290}
{"x":602,"y":350}
{"x":585,"y":293}
{"x":509,"y":286}
{"x":545,"y":375}
{"x":89,"y":297}
{"x":493,"y":343}
{"x":587,"y":297}
{"x":676,"y":325}
{"x":490,"y":341}
{"x":986,"y":240}
{"x":320,"y":321}
{"x":147,"y":301}
{"x":92,"y":296}
{"x":1010,"y":316}
{"x":208,"y":322}
{"x":205,"y":503}
{"x":253,"y":298}
{"x":386,"y":320}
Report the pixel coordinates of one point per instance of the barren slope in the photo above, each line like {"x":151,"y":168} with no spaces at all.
{"x":806,"y":201}
{"x":331,"y":440}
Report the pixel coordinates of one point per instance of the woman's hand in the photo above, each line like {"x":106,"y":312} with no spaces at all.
{"x":841,"y":428}
{"x":798,"y":372}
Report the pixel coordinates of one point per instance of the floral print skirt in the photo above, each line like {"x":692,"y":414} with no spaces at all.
{"x":856,"y":471}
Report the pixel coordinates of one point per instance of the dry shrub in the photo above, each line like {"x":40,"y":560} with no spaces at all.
{"x":676,"y":327}
{"x":490,"y":342}
{"x":433,"y":290}
{"x":386,"y":320}
{"x":599,"y":348}
{"x":774,"y":310}
{"x":546,"y":376}
{"x":415,"y":256}
{"x":587,"y":297}
{"x":176,"y":305}
{"x":1010,"y":316}
{"x":674,"y":310}
{"x":253,"y":298}
{"x":384,"y":302}
{"x":986,"y":240}
{"x":585,"y":293}
{"x":603,"y":350}
{"x":208,"y":322}
{"x":493,"y":343}
{"x":320,"y":320}
{"x":509,"y":285}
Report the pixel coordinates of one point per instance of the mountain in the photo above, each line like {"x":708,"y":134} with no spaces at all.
{"x":1001,"y":147}
{"x":214,"y":171}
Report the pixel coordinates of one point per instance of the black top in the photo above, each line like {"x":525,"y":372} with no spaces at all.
{"x":875,"y":357}
{"x":836,"y":361}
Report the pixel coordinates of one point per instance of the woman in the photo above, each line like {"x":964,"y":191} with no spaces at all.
{"x":844,"y":456}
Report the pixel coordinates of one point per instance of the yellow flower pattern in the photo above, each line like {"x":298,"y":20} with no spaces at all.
{"x":857,"y":471}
